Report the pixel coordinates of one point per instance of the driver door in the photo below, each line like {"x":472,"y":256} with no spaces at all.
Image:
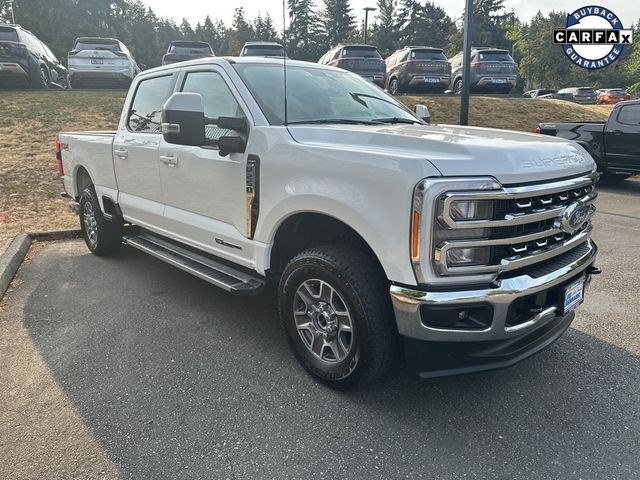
{"x":204,"y":192}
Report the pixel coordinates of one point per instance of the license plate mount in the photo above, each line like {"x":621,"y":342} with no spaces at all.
{"x":97,"y":61}
{"x":572,"y":296}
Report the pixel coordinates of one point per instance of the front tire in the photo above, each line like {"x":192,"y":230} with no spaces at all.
{"x":336,"y":312}
{"x":394,"y":87}
{"x":41,"y":80}
{"x":103,"y":237}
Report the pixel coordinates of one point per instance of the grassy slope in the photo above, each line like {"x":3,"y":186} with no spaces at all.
{"x":29,"y":183}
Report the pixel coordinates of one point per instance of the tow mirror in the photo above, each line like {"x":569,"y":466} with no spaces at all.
{"x":239,"y":124}
{"x":183,"y":120}
{"x":423,"y":112}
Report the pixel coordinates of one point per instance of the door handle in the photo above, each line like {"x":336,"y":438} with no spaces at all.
{"x":121,"y":152}
{"x":169,"y":160}
{"x":617,"y":132}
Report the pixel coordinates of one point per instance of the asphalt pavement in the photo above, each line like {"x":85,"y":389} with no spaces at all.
{"x":124,"y":367}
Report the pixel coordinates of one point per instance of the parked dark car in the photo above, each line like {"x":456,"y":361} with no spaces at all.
{"x":538,"y":92}
{"x":263,"y":49}
{"x":610,"y":96}
{"x":365,"y":60}
{"x":418,"y":68}
{"x":25,"y":60}
{"x":584,"y":95}
{"x":181,"y":51}
{"x":492,"y":70}
{"x":614,"y":144}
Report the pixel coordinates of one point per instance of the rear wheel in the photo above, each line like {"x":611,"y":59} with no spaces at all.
{"x":615,"y":177}
{"x":457,"y":87}
{"x":336,"y":312}
{"x":41,"y":78}
{"x":394,"y":86}
{"x":103,"y":237}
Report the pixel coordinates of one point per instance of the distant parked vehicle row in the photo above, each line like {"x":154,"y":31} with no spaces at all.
{"x":181,"y":51}
{"x":263,"y":49}
{"x":538,"y":92}
{"x":27,"y":61}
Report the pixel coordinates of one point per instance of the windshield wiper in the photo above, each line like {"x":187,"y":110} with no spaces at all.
{"x":337,"y":121}
{"x":397,"y":120}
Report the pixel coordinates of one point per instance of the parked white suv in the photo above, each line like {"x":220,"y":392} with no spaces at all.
{"x":101,"y":62}
{"x":468,"y":247}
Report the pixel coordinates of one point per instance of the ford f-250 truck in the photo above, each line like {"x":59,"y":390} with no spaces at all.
{"x":614,"y":144}
{"x":465,"y":248}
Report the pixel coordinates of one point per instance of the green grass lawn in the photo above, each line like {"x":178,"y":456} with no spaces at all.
{"x":30,"y":186}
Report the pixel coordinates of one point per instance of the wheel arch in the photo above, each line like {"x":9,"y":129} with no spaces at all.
{"x":83,"y":180}
{"x":307,"y":229}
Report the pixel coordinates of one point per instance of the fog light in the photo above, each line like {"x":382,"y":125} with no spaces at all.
{"x":469,"y":256}
{"x":472,"y":210}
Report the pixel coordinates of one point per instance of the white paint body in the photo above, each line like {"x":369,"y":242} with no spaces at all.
{"x":362,"y":175}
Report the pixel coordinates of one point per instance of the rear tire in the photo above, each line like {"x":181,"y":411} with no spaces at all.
{"x":615,"y":177}
{"x":394,"y":86}
{"x":103,"y":237}
{"x":336,"y":311}
{"x":457,"y":87}
{"x":41,"y":78}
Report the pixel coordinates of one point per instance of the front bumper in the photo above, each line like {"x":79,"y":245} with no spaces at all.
{"x":500,"y":333}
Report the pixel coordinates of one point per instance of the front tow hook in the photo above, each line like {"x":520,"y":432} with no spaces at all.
{"x":592,"y":270}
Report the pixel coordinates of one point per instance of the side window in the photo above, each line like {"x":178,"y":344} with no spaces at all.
{"x":629,"y":115}
{"x":336,"y":54}
{"x":217,"y":99}
{"x":145,"y":115}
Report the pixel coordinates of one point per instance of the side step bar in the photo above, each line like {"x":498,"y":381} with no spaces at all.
{"x":209,"y":270}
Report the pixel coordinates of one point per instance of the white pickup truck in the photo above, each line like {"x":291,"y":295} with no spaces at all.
{"x":464,"y":248}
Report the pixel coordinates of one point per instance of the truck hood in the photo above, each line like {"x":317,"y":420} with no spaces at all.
{"x":508,"y":156}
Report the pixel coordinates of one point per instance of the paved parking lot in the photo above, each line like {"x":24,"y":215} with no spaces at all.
{"x":125,"y":367}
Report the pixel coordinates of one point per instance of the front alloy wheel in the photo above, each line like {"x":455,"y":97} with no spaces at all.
{"x":336,"y":312}
{"x":457,"y":87}
{"x":394,"y":86}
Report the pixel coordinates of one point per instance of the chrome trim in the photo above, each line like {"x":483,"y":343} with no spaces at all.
{"x":407,"y":303}
{"x":509,"y":219}
{"x":545,"y":314}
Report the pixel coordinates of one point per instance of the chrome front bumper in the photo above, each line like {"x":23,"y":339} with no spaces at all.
{"x":407,"y":304}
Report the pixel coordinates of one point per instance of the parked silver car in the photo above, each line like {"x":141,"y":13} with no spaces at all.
{"x":101,"y":62}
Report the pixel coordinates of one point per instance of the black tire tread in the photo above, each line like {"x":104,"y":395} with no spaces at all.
{"x":359,"y":272}
{"x":109,"y":232}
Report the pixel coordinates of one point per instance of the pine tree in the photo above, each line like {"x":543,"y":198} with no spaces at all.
{"x":337,"y":21}
{"x":240,"y":33}
{"x":384,"y":30}
{"x":303,"y":34}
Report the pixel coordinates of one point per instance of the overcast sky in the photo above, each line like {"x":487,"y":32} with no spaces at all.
{"x":196,"y":10}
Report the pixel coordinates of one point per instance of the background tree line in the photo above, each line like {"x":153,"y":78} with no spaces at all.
{"x":313,"y":26}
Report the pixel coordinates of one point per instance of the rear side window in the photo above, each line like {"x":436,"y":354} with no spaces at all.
{"x":145,"y":115}
{"x":97,"y":45}
{"x":629,"y":115}
{"x":8,"y":34}
{"x":492,"y":56}
{"x":218,"y":100}
{"x":366,"y":52}
{"x":427,"y":55}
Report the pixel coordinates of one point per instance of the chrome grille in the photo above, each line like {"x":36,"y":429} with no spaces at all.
{"x":529,"y":225}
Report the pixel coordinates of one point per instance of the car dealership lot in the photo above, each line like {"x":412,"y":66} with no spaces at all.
{"x":142,"y":371}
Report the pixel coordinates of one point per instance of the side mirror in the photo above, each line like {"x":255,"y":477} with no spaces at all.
{"x":229,"y":144}
{"x":183,"y":120}
{"x":239,"y":124}
{"x":423,"y":112}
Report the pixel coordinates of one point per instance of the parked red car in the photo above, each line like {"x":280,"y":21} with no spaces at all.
{"x":612,"y":95}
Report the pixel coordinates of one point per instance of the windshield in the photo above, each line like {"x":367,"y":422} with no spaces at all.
{"x":263,"y":51}
{"x":8,"y":34}
{"x":367,"y":52}
{"x":318,"y":94}
{"x":96,"y":45}
{"x":427,"y":55}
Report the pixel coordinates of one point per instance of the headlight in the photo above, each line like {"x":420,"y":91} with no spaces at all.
{"x":468,"y":256}
{"x":471,"y":210}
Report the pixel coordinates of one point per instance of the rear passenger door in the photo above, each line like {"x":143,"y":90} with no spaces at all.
{"x":135,"y":153}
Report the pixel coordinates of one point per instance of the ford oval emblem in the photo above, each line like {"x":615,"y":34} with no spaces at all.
{"x":573,"y":217}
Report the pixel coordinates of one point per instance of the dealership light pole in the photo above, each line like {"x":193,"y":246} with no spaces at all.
{"x":366,"y":21}
{"x":466,"y":64}
{"x":13,"y":20}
